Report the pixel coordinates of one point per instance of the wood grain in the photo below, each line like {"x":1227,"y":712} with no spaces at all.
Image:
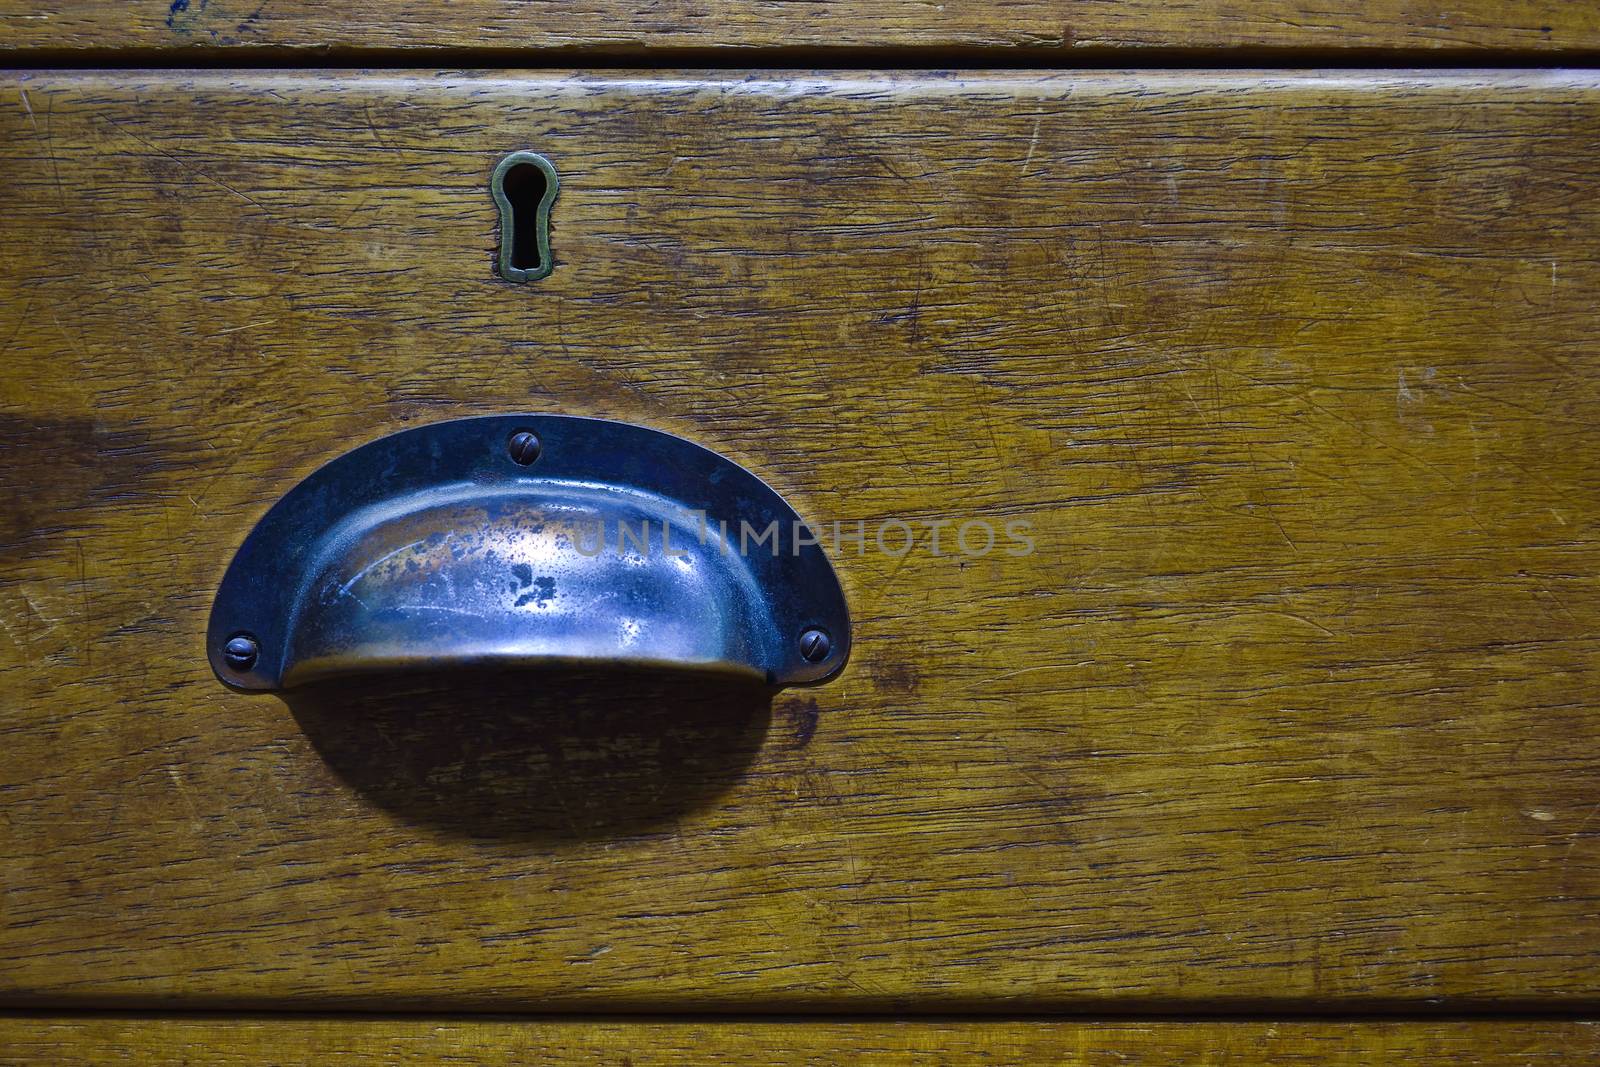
{"x":1295,"y":377}
{"x":92,"y":1041}
{"x":988,"y":30}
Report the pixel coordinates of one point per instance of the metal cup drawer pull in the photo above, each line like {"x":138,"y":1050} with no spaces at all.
{"x":528,"y":540}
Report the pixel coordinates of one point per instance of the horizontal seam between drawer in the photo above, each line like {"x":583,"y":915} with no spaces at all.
{"x":738,"y":57}
{"x":1108,"y":1014}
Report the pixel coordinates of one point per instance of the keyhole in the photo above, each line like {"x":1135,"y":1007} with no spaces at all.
{"x":524,"y":185}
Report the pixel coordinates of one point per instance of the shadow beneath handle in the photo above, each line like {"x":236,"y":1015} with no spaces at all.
{"x":538,"y":755}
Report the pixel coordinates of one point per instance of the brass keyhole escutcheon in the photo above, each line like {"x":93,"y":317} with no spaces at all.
{"x":524,"y":185}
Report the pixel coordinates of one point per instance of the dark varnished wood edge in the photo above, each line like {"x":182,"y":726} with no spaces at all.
{"x":840,"y":57}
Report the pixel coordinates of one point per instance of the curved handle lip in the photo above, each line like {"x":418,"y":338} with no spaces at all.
{"x":311,"y":672}
{"x":757,"y":605}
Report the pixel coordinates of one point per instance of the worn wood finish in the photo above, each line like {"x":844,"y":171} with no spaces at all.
{"x":1040,"y":29}
{"x":1295,"y":377}
{"x":92,"y":1041}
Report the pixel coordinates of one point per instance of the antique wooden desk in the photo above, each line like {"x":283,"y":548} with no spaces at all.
{"x":1277,"y":321}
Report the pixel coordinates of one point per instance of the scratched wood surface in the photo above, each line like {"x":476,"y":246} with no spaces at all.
{"x":1294,"y":377}
{"x":92,"y":1041}
{"x":1053,"y":30}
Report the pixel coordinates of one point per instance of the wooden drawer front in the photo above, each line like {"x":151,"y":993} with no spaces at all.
{"x":1295,"y":378}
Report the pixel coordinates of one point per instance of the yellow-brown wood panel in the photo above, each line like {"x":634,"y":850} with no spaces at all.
{"x":1043,"y":29}
{"x":1295,"y":378}
{"x":93,"y":1041}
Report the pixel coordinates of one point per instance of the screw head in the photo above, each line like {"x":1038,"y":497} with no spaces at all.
{"x":815,"y":645}
{"x":240,"y":652}
{"x":524,"y":447}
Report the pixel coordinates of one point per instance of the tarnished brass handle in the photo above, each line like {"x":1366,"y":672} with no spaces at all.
{"x":526,"y":540}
